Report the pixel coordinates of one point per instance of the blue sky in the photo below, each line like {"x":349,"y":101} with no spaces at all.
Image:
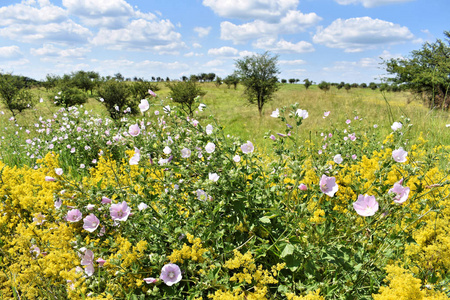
{"x":331,"y":40}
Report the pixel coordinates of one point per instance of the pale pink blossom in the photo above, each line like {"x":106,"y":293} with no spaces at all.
{"x":167,"y":150}
{"x":100,"y":262}
{"x":88,"y":261}
{"x":213,"y":177}
{"x":209,"y":129}
{"x":134,"y":160}
{"x":399,"y":155}
{"x":303,"y":187}
{"x":210,"y":147}
{"x":396,"y":126}
{"x":328,"y":185}
{"x":170,"y":274}
{"x":326,"y":114}
{"x":365,"y":205}
{"x":401,"y":192}
{"x":142,"y":206}
{"x":152,"y":93}
{"x":150,"y":280}
{"x":185,"y":153}
{"x":120,"y":211}
{"x":134,"y":130}
{"x":74,"y":215}
{"x":236,"y":158}
{"x":247,"y":147}
{"x":106,"y":200}
{"x":302,"y":113}
{"x":144,"y":106}
{"x":91,"y":223}
{"x":49,"y":178}
{"x":275,"y":113}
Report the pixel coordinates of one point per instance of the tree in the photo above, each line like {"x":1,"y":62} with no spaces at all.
{"x":283,"y":81}
{"x":307,"y":83}
{"x":185,"y":92}
{"x":258,"y":73}
{"x":231,"y":80}
{"x":347,"y":87}
{"x":115,"y":96}
{"x":324,"y":86}
{"x":218,"y":81}
{"x":291,"y":80}
{"x":425,"y":72}
{"x":14,"y":93}
{"x":139,"y":89}
{"x":373,"y":85}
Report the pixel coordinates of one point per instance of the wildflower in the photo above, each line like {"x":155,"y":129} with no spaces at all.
{"x":275,"y":113}
{"x":396,"y":126}
{"x":326,"y":114}
{"x":100,"y":262}
{"x":210,"y":147}
{"x":366,"y":205}
{"x":88,"y":261}
{"x":152,"y":93}
{"x":150,"y":280}
{"x":163,"y":161}
{"x":247,"y":147}
{"x":142,"y":206}
{"x":213,"y":177}
{"x":328,"y":185}
{"x":167,"y":150}
{"x":58,"y":203}
{"x":74,"y":215}
{"x":170,"y":274}
{"x":202,"y":195}
{"x":91,"y":223}
{"x":39,"y":219}
{"x":354,"y":156}
{"x":134,"y":160}
{"x":144,"y":106}
{"x":303,"y":187}
{"x":120,"y":211}
{"x":302,"y":113}
{"x":201,"y":107}
{"x":348,"y":121}
{"x":338,"y":159}
{"x":236,"y":158}
{"x":166,"y":109}
{"x":90,"y":206}
{"x":272,"y":137}
{"x":156,"y":112}
{"x":185,"y":153}
{"x":82,"y":166}
{"x":49,"y":178}
{"x":401,"y":193}
{"x":134,"y":130}
{"x":209,"y":129}
{"x":106,"y":200}
{"x":399,"y":155}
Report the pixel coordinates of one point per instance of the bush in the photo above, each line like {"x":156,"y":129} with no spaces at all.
{"x":69,"y":96}
{"x":115,"y":95}
{"x":185,"y":93}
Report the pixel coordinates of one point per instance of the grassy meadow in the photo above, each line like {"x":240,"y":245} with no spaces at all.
{"x":227,"y":204}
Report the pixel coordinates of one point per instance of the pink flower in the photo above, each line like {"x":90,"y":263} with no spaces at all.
{"x":91,"y":223}
{"x":302,"y":113}
{"x":134,"y":130}
{"x":185,"y":153}
{"x":210,"y":147}
{"x":366,"y":205}
{"x":303,"y":187}
{"x":119,"y":211}
{"x":88,"y":261}
{"x":134,"y":160}
{"x":348,"y":121}
{"x":328,"y":185}
{"x":150,"y":280}
{"x":272,"y":137}
{"x":209,"y":129}
{"x":74,"y":215}
{"x":152,"y":93}
{"x":396,"y":126}
{"x":354,"y":156}
{"x":275,"y":113}
{"x":213,"y":177}
{"x":236,"y":158}
{"x":144,"y":106}
{"x":170,"y":274}
{"x":401,"y":193}
{"x":142,"y":206}
{"x":49,"y":178}
{"x":100,"y":262}
{"x":326,"y":114}
{"x":106,"y":200}
{"x":399,"y":155}
{"x":338,"y":159}
{"x":247,"y":147}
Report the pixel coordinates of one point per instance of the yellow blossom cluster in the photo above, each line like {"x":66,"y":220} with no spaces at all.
{"x":194,"y":252}
{"x":310,"y":296}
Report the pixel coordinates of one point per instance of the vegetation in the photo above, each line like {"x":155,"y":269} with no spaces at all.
{"x":115,"y":95}
{"x":14,"y":93}
{"x":426,"y":72}
{"x":185,"y":93}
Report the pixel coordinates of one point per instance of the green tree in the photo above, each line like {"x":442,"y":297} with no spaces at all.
{"x":291,"y":80}
{"x":185,"y":93}
{"x":231,"y":80}
{"x":425,"y":72}
{"x":347,"y":87}
{"x":307,"y":83}
{"x":324,"y":86}
{"x":258,"y":73}
{"x":139,"y":89}
{"x":69,"y":96}
{"x":115,"y":95}
{"x":373,"y":85}
{"x":14,"y":93}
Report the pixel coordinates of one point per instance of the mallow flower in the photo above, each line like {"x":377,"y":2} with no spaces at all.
{"x":185,"y":153}
{"x":302,"y":113}
{"x":144,"y":106}
{"x":120,"y":211}
{"x":209,"y":129}
{"x":74,"y":215}
{"x":247,"y":147}
{"x":275,"y":113}
{"x":91,"y":223}
{"x":399,"y":155}
{"x":328,"y":185}
{"x":365,"y":205}
{"x":88,"y":261}
{"x":170,"y":274}
{"x":401,"y":192}
{"x":134,"y":130}
{"x":338,"y":159}
{"x":396,"y":126}
{"x":134,"y":160}
{"x":210,"y":147}
{"x":213,"y":177}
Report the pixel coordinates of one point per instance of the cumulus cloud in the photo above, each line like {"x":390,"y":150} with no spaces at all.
{"x":268,"y":10}
{"x":223,"y":51}
{"x":292,"y":22}
{"x":371,"y":3}
{"x":292,"y":62}
{"x":282,"y":46}
{"x":202,"y":31}
{"x":142,"y":35}
{"x":358,"y":34}
{"x":213,"y":63}
{"x":50,"y":51}
{"x":196,"y":45}
{"x":10,"y":52}
{"x":31,"y":13}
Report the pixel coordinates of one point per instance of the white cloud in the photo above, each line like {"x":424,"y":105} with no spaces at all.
{"x":268,"y":10}
{"x":246,"y":53}
{"x":10,"y":52}
{"x":202,"y":31}
{"x":196,"y":45}
{"x":50,"y":51}
{"x":191,"y":54}
{"x":365,"y":69}
{"x":292,"y":62}
{"x":142,"y":35}
{"x":371,"y":3}
{"x":283,"y":46}
{"x":223,"y":51}
{"x":31,"y":14}
{"x":291,"y":23}
{"x":213,"y":63}
{"x":358,"y":34}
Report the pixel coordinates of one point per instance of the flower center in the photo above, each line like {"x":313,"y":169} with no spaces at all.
{"x":120,"y":213}
{"x":171,"y":275}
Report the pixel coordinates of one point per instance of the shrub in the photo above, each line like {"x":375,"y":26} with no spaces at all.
{"x":115,"y":95}
{"x":185,"y":93}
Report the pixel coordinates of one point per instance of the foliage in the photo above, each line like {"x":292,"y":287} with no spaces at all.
{"x":324,"y":86}
{"x":69,"y":96}
{"x":185,"y":93}
{"x":115,"y":95}
{"x":14,"y":93}
{"x":231,"y":80}
{"x":139,"y":89}
{"x":258,"y":73}
{"x":426,"y":72}
{"x":307,"y":83}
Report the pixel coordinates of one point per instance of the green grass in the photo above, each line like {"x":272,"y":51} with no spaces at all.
{"x":240,"y":118}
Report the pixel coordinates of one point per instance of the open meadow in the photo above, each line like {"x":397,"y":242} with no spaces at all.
{"x":328,"y":195}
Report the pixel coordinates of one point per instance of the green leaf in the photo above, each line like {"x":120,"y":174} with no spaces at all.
{"x":288,"y":250}
{"x":265,"y":220}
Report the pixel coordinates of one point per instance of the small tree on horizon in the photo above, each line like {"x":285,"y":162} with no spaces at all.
{"x":324,"y":86}
{"x":258,"y":73}
{"x":185,"y":92}
{"x":307,"y":83}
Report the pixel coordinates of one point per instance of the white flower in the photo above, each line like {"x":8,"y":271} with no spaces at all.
{"x":59,"y":171}
{"x":338,"y":159}
{"x":210,"y":147}
{"x":201,"y":106}
{"x":275,"y":113}
{"x":247,"y":147}
{"x":144,"y":106}
{"x":166,"y":109}
{"x":236,"y":158}
{"x":142,"y":206}
{"x":302,"y":113}
{"x":209,"y":129}
{"x":185,"y":153}
{"x":213,"y":177}
{"x":167,"y":150}
{"x":396,"y":126}
{"x":134,"y":160}
{"x":399,"y":155}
